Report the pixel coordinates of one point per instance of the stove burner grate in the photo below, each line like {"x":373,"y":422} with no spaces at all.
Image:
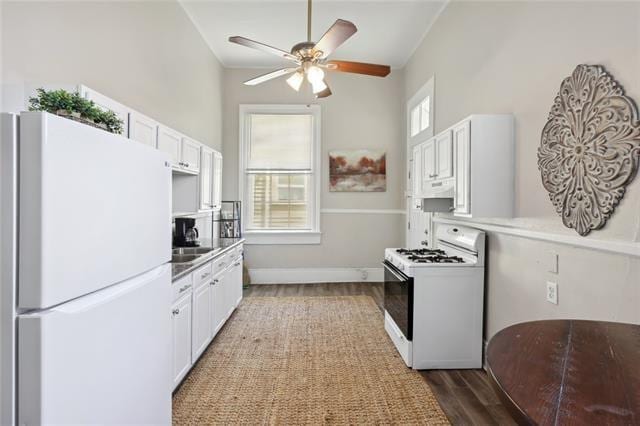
{"x":436,"y":259}
{"x":421,"y":252}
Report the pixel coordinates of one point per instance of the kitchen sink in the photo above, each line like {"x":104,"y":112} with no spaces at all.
{"x":184,"y":258}
{"x":191,"y":250}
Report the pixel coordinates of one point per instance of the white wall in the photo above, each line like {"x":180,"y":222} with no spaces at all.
{"x":146,"y":55}
{"x":363,"y":112}
{"x":510,"y":57}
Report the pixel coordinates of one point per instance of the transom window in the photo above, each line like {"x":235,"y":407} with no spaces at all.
{"x":420,"y":116}
{"x":279,"y":170}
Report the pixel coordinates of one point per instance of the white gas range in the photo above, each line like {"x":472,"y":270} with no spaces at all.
{"x":433,"y":300}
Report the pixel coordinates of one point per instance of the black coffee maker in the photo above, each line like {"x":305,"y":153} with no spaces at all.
{"x":186,"y":234}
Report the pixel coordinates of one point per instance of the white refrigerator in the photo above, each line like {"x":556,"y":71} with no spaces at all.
{"x":86,"y":287}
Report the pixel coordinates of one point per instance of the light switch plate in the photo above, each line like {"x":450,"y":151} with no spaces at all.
{"x":552,"y":262}
{"x":552,"y":292}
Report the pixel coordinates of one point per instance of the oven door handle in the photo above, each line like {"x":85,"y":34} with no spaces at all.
{"x":395,"y":271}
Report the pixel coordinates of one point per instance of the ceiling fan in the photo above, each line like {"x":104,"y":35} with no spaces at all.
{"x":311,"y":58}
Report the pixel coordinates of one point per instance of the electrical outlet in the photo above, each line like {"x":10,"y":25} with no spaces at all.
{"x":552,"y":292}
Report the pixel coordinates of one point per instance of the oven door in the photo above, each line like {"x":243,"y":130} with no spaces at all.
{"x":398,"y":298}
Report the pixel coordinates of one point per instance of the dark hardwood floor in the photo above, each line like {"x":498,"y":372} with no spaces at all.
{"x":465,"y":395}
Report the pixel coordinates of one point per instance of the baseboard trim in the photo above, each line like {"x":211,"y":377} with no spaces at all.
{"x":314,"y":275}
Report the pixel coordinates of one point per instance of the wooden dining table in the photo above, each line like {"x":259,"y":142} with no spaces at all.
{"x":561,"y":372}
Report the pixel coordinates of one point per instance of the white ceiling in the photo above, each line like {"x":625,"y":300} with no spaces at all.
{"x":388,"y":30}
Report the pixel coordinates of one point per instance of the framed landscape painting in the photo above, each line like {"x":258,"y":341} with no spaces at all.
{"x":357,"y":171}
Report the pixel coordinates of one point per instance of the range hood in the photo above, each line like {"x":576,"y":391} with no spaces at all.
{"x":438,"y":196}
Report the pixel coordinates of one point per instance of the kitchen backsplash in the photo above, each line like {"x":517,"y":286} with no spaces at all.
{"x":208,"y":228}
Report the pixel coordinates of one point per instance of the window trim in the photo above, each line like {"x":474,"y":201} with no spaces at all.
{"x":306,"y":236}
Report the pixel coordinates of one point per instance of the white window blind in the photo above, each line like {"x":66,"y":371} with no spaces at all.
{"x":279,"y":171}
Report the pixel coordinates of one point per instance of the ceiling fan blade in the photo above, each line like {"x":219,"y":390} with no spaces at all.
{"x":360,"y":68}
{"x":339,"y":32}
{"x":325,"y":93}
{"x":269,"y":76}
{"x":264,"y":47}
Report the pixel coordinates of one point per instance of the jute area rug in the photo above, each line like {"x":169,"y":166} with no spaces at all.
{"x":304,"y":360}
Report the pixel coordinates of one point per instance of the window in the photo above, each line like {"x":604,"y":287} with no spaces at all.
{"x":420,"y":116}
{"x":279,"y":173}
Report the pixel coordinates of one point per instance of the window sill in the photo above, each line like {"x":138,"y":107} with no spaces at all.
{"x":281,"y":237}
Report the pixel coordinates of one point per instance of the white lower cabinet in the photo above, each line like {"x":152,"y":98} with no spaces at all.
{"x":219,"y":311}
{"x":235,"y":275}
{"x":201,"y":320}
{"x":181,"y":330}
{"x":199,"y":315}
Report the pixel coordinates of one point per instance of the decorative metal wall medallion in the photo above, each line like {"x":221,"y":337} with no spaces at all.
{"x":590,"y":148}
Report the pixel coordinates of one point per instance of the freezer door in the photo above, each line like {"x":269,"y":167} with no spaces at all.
{"x":95,"y":209}
{"x":103,"y":358}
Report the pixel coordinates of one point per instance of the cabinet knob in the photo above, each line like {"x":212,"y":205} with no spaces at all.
{"x":175,"y":311}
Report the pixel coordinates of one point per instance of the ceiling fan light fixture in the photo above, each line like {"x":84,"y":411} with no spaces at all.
{"x":295,"y":81}
{"x":318,"y":86}
{"x":315,"y":75}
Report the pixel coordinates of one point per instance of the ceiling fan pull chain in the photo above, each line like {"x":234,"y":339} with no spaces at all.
{"x":309,"y":20}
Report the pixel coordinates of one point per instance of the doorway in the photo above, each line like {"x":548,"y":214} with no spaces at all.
{"x":420,"y":127}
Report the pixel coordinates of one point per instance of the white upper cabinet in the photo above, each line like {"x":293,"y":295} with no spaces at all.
{"x":444,"y":152}
{"x":143,"y":129}
{"x":169,"y":141}
{"x":190,"y":155}
{"x":206,"y":178}
{"x":217,"y":180}
{"x":106,"y":103}
{"x":484,"y":149}
{"x":461,"y":138}
{"x":429,"y":161}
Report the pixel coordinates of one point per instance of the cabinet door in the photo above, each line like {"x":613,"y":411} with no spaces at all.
{"x":108,"y":104}
{"x":169,"y":142}
{"x":181,"y":329}
{"x":236,"y":282}
{"x":444,"y":155}
{"x":190,"y":155}
{"x":219,"y":310}
{"x":201,"y":321}
{"x":143,"y":129}
{"x":217,"y":180}
{"x":429,"y":161}
{"x":206,"y":179}
{"x":462,"y":139}
{"x":416,"y":172}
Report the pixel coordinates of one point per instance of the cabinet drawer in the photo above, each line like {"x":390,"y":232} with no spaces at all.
{"x":237,"y":252}
{"x":181,"y":287}
{"x":221,"y":262}
{"x":202,"y":275}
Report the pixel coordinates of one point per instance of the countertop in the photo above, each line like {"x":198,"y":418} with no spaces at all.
{"x":179,"y":270}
